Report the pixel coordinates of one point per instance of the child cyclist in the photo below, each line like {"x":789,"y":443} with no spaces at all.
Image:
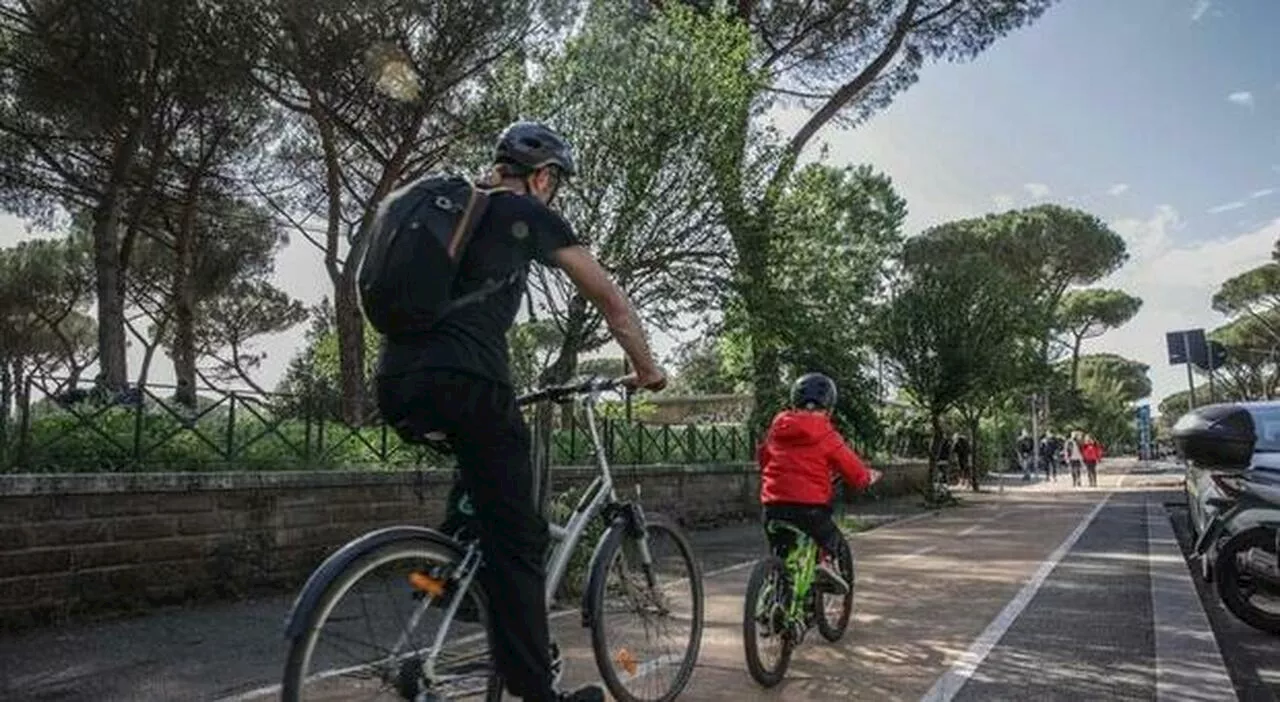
{"x":800,"y":455}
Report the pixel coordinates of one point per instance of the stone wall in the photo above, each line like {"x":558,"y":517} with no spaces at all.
{"x":75,"y":544}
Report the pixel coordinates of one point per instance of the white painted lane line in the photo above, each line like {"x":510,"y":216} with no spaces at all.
{"x":970,"y":530}
{"x":950,"y":682}
{"x":1189,"y":665}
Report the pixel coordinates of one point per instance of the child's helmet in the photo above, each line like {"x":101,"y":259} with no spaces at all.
{"x":813,"y":391}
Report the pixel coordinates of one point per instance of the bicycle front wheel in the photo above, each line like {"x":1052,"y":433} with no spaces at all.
{"x":369,"y":635}
{"x":630,"y":605}
{"x":835,"y":610}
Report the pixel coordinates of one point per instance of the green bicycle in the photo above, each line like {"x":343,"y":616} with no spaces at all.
{"x":785,"y":599}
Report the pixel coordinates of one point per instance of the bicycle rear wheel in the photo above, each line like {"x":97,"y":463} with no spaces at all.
{"x":764,"y":622}
{"x":370,"y":632}
{"x":618,"y":584}
{"x":833,"y":610}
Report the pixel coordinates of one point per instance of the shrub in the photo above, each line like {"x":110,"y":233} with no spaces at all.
{"x":244,"y":436}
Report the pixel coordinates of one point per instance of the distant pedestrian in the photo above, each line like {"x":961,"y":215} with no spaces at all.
{"x":1071,"y":452}
{"x":1026,"y":454}
{"x":960,"y":447}
{"x":1091,"y":450}
{"x":1049,"y":446}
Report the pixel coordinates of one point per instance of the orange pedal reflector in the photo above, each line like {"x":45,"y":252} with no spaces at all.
{"x":626,"y":660}
{"x":425,"y":583}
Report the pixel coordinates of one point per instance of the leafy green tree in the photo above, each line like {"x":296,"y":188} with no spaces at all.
{"x":1252,"y":370}
{"x":949,"y":318}
{"x":838,"y":229}
{"x":374,"y":95}
{"x":840,"y":62}
{"x":87,"y":124}
{"x":1099,"y":370}
{"x":533,"y":345}
{"x":1255,"y":294}
{"x":643,"y":104}
{"x":1090,"y":313}
{"x":701,"y":368}
{"x":227,"y":324}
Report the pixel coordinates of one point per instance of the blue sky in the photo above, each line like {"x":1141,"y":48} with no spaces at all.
{"x":1160,"y":116}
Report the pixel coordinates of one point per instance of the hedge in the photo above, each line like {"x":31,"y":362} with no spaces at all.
{"x":122,"y":439}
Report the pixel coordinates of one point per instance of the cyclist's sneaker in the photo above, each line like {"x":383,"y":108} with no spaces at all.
{"x":829,"y":576}
{"x":586,"y":693}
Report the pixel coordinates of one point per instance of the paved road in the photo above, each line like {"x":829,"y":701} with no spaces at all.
{"x":1038,"y":592}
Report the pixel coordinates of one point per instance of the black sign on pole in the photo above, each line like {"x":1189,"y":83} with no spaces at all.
{"x":1197,"y":348}
{"x":1214,"y":358}
{"x":1177,"y":347}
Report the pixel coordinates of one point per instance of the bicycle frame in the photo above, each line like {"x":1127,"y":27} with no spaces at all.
{"x":801,"y":564}
{"x":599,"y":493}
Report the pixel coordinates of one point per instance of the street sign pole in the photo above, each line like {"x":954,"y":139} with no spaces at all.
{"x":1191,"y":382}
{"x":1208,"y":353}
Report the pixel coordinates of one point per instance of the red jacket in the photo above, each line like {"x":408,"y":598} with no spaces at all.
{"x":798,"y":456}
{"x":1091,"y":452}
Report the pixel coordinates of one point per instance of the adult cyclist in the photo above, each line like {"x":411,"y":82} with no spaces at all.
{"x":456,"y":380}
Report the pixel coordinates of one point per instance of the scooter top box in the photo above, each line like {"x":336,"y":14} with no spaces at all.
{"x":1218,"y":437}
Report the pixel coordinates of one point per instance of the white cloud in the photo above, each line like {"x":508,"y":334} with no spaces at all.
{"x":1118,"y":189}
{"x":1262,"y":193}
{"x":1036,"y":190}
{"x":1243,"y":97}
{"x":1003,"y":201}
{"x":1226,"y":207}
{"x":1176,"y":282}
{"x":1198,"y":10}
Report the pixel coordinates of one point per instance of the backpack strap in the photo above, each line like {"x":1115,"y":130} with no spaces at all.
{"x":471,"y":216}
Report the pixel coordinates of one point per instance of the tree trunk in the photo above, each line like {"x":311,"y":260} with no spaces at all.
{"x":974,"y":423}
{"x":184,"y":300}
{"x":935,"y":446}
{"x":350,"y":326}
{"x":6,"y":410}
{"x":113,"y":363}
{"x":1075,"y":363}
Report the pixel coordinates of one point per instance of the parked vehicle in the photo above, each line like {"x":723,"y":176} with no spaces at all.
{"x":1232,"y":454}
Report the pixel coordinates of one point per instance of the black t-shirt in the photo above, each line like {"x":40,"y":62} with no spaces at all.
{"x":516,"y":230}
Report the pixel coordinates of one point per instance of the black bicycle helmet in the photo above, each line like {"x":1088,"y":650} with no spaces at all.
{"x":531,"y":146}
{"x":813,"y":391}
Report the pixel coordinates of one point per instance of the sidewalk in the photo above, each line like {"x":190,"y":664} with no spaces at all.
{"x":213,"y":651}
{"x":926,"y":586}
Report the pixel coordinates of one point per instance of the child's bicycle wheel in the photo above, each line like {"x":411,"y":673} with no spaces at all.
{"x":835,"y":610}
{"x":765,"y":626}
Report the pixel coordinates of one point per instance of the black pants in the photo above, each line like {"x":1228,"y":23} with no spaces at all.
{"x":814,"y":520}
{"x":492,"y":443}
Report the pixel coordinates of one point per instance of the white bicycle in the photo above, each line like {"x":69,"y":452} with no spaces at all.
{"x":427,"y":641}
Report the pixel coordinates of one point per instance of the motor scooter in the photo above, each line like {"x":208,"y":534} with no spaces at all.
{"x":1239,"y":546}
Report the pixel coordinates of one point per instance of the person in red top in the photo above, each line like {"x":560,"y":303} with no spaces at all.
{"x":1091,"y":452}
{"x":798,"y":458}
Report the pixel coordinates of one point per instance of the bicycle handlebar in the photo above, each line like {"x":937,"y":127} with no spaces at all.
{"x":561,"y":393}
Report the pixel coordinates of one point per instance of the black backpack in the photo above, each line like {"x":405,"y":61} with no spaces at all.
{"x":411,"y":256}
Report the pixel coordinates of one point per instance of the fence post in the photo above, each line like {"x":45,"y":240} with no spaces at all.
{"x":231,"y":429}
{"x":137,"y":429}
